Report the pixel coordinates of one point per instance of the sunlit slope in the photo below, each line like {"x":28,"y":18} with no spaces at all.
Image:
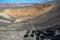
{"x":28,"y":12}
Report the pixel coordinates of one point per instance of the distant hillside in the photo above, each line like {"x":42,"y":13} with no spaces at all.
{"x":19,"y":12}
{"x":14,"y":5}
{"x":28,"y":12}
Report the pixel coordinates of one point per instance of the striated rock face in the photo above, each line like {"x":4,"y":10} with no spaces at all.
{"x":32,"y":11}
{"x":22,"y":14}
{"x":19,"y":17}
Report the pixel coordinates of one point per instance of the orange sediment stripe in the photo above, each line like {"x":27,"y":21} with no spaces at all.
{"x":30,"y":12}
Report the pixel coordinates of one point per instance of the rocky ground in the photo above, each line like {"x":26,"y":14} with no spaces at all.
{"x":52,"y":33}
{"x":43,"y":27}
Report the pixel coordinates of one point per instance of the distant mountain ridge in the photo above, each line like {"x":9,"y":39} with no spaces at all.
{"x":20,"y":5}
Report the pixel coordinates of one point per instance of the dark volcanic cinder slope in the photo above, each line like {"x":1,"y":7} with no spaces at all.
{"x":47,"y":20}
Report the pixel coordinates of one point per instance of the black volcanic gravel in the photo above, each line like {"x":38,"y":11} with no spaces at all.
{"x":48,"y":34}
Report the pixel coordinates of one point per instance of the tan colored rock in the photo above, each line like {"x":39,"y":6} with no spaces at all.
{"x":29,"y":12}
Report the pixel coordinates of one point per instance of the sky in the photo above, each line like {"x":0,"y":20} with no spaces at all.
{"x":24,"y":1}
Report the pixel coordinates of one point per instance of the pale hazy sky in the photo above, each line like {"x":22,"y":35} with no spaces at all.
{"x":24,"y":1}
